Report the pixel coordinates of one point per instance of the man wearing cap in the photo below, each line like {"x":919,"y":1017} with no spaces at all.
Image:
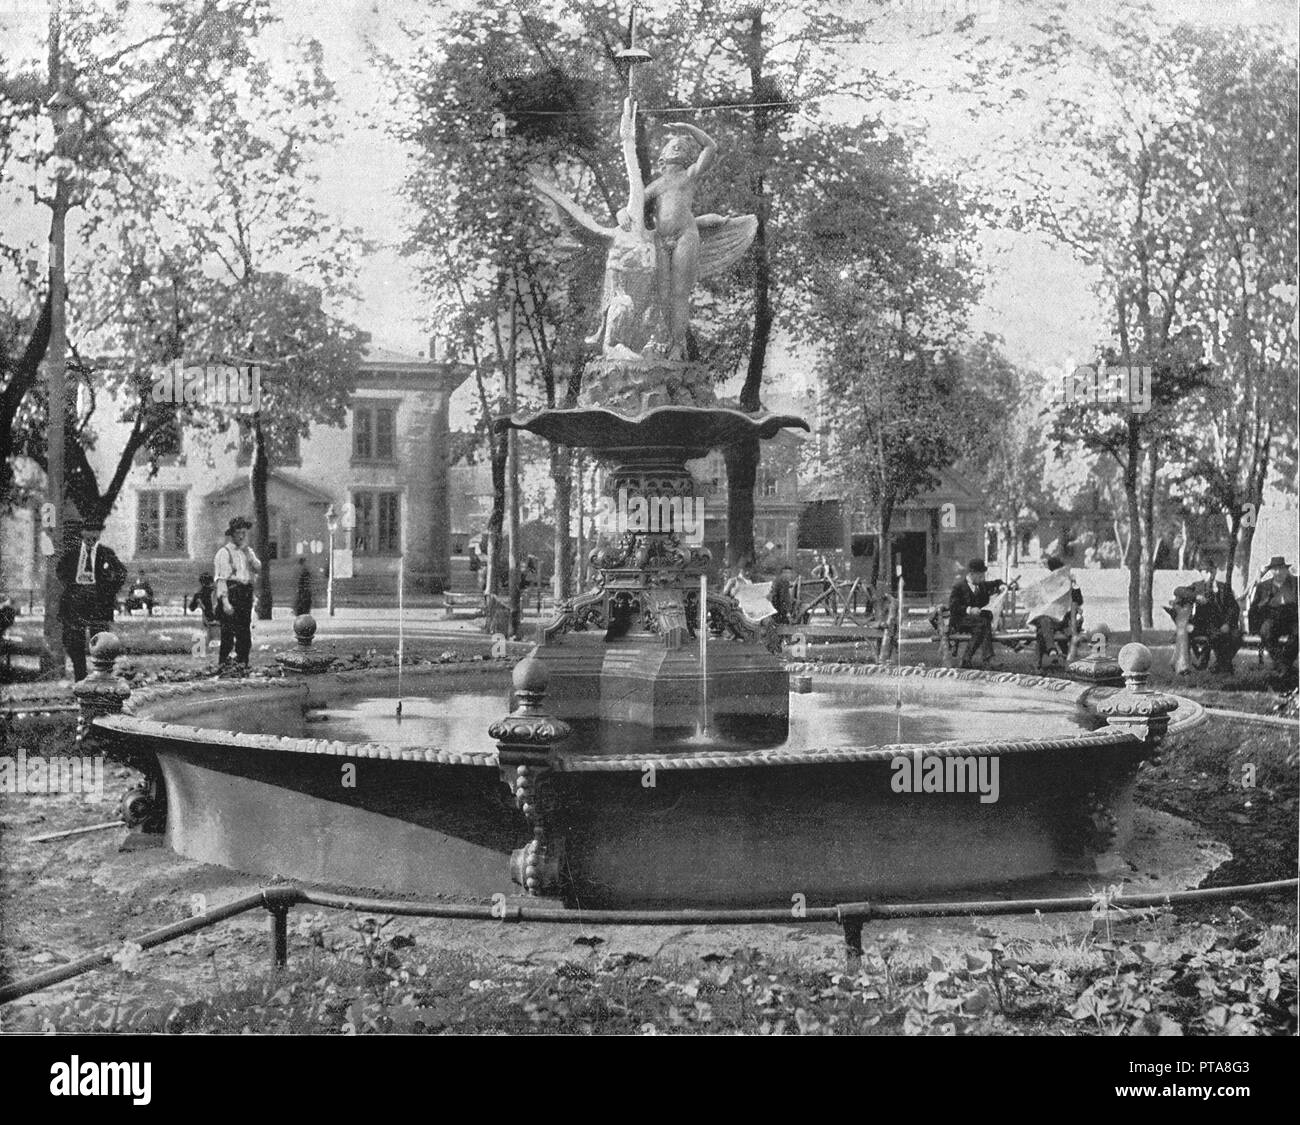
{"x":91,"y":575}
{"x":967,"y":613}
{"x":1273,"y":612}
{"x":233,"y":569}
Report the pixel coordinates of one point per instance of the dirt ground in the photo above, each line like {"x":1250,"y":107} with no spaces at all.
{"x":64,"y":899}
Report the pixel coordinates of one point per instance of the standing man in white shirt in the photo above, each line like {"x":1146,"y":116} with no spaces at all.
{"x":233,"y":570}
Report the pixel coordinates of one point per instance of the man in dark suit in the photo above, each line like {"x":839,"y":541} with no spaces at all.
{"x":1273,"y":612}
{"x":967,"y":613}
{"x":91,"y":575}
{"x":782,"y":596}
{"x":1216,"y":616}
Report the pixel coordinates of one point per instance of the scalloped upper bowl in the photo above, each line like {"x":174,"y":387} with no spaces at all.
{"x":695,"y":428}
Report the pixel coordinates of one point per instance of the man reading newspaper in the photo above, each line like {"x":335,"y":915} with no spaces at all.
{"x":1051,"y":603}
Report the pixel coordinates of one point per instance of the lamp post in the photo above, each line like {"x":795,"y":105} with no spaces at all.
{"x":331,"y":522}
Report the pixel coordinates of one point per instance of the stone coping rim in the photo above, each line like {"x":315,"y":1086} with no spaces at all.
{"x":131,"y":722}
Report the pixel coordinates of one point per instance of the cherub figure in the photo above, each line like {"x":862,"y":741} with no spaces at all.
{"x":677,"y":234}
{"x":649,"y":274}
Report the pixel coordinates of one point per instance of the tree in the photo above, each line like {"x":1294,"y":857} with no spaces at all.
{"x":1116,"y":177}
{"x":506,"y":88}
{"x":893,"y":280}
{"x":195,"y":213}
{"x":1011,"y":463}
{"x":1241,"y":427}
{"x":1157,"y":150}
{"x":279,"y":260}
{"x":105,"y":85}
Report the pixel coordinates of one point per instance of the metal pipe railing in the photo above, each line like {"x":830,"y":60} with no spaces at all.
{"x":851,"y":916}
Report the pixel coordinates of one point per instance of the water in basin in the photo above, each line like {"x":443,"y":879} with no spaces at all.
{"x":861,"y":714}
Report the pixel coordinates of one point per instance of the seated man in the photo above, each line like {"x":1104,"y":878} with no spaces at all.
{"x":967,"y":611}
{"x":1216,"y":616}
{"x":140,"y":596}
{"x":783,"y":598}
{"x":202,"y":600}
{"x":1273,"y":613}
{"x":1054,"y":605}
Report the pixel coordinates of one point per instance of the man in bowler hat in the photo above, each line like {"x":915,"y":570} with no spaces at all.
{"x":966,"y":612}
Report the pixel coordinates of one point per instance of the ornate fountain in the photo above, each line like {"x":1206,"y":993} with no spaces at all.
{"x":634,"y":775}
{"x":618,"y":652}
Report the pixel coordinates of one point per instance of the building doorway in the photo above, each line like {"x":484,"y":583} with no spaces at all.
{"x":909,"y":552}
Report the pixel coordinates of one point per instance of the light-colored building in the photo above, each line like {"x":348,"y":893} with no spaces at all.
{"x":389,"y":461}
{"x":932,"y":536}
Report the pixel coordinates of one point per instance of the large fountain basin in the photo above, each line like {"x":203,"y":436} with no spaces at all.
{"x":421,"y":808}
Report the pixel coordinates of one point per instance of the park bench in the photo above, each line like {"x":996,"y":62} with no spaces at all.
{"x":12,"y":645}
{"x":881,"y":634}
{"x":451,"y":602}
{"x":852,"y":614}
{"x":1017,"y":635}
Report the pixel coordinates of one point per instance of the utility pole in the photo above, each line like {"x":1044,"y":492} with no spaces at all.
{"x":56,"y":355}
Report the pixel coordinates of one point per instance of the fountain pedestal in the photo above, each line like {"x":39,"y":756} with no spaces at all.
{"x":629,"y":650}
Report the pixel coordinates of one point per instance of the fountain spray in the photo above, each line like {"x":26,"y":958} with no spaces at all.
{"x":704,"y":653}
{"x":401,"y":633}
{"x":898,"y":656}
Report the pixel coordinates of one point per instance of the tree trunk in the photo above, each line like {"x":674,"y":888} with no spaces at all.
{"x":56,"y":362}
{"x":258,"y":475}
{"x":496,"y":522}
{"x":22,"y":378}
{"x":880,"y":566}
{"x":562,"y":475}
{"x":1133,"y":554}
{"x":742,"y":459}
{"x":1235,"y":535}
{"x":580,"y":557}
{"x":742,"y":473}
{"x":1150,"y":541}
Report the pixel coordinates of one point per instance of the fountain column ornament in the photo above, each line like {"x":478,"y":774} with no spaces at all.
{"x":1098,"y":666}
{"x":526,"y":741}
{"x":143,"y":807}
{"x":646,"y":408}
{"x":1138,"y":707}
{"x":302,"y":660}
{"x":103,"y":691}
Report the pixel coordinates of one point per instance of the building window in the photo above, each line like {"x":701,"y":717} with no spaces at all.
{"x":161,"y":524}
{"x":768,"y":485}
{"x":378,"y":529}
{"x":373,"y":431}
{"x":282,"y":448}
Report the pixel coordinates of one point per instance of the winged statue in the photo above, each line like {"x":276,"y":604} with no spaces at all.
{"x":649,"y":273}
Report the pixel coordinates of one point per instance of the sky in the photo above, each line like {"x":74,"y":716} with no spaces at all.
{"x":1037,"y":297}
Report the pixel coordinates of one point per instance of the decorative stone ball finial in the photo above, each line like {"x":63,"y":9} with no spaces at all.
{"x":530,"y":679}
{"x":104,"y":649}
{"x":1135,"y":662}
{"x":304,"y":629}
{"x":102,"y":692}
